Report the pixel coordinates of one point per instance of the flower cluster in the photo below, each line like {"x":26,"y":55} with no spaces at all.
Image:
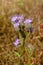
{"x":17,"y":21}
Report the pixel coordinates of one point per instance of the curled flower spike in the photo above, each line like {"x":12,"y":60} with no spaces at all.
{"x":17,"y":41}
{"x":31,"y":29}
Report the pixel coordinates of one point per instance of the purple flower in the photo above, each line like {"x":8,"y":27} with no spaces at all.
{"x":27,"y":21}
{"x":16,"y":25}
{"x":20,"y":18}
{"x":30,"y":29}
{"x":17,"y":18}
{"x":17,"y":41}
{"x":15,"y":22}
{"x":14,"y":18}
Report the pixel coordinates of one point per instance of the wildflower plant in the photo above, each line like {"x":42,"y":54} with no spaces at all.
{"x":21,"y":41}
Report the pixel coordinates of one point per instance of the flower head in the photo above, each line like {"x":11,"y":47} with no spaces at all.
{"x":27,"y":21}
{"x":16,"y":25}
{"x":17,"y":41}
{"x":20,"y":18}
{"x":14,"y":18}
{"x":17,"y":18}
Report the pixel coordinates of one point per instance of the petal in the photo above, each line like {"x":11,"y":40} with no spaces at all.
{"x":27,"y":21}
{"x":20,"y":18}
{"x":16,"y":25}
{"x":13,"y":18}
{"x":16,"y":42}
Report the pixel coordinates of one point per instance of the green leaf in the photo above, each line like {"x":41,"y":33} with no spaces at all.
{"x":29,"y":51}
{"x":17,"y":54}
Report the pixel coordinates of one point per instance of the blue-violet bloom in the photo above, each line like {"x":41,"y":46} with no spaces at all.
{"x":14,"y":18}
{"x":16,"y":25}
{"x":17,"y":41}
{"x":27,"y":21}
